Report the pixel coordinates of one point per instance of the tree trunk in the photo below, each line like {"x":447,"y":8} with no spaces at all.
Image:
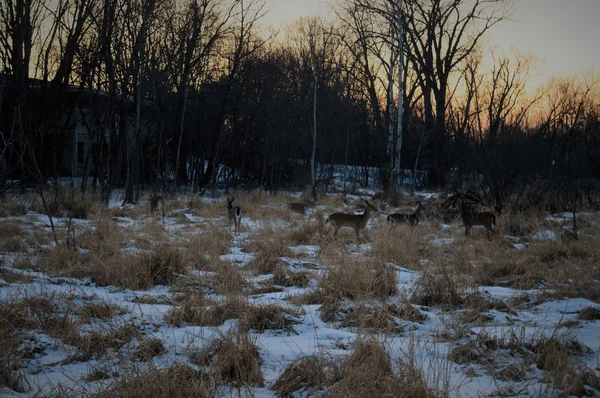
{"x":314,"y":141}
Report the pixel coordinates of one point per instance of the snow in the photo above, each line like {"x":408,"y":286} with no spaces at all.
{"x":48,"y":368}
{"x":544,"y":235}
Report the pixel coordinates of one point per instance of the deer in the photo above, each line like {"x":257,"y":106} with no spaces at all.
{"x":234,"y":213}
{"x":471,"y":217}
{"x":411,"y":218}
{"x":354,"y":221}
{"x":157,"y":202}
{"x":300,"y":207}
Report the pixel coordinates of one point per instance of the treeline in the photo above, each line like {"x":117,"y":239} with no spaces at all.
{"x":187,"y":93}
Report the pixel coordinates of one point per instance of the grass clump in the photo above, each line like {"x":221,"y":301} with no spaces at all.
{"x":589,"y":314}
{"x":400,"y":245}
{"x":307,"y":375}
{"x":232,"y":358}
{"x":101,"y":311}
{"x":160,"y":266}
{"x":284,"y":276}
{"x":10,"y":376}
{"x":433,"y":289}
{"x":176,"y":381}
{"x":358,"y":279}
{"x":368,"y":372}
{"x":262,"y":264}
{"x":266,"y":317}
{"x":150,"y":348}
{"x":197,"y":310}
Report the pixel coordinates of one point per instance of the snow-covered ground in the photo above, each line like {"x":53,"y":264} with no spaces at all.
{"x":523,"y":319}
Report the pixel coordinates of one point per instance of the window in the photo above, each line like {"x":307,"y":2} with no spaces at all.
{"x":80,"y":152}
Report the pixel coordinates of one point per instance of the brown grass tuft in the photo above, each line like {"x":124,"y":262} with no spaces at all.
{"x":263,"y":263}
{"x":140,"y":271}
{"x":10,"y":376}
{"x":98,"y":311}
{"x":589,"y":314}
{"x":368,"y":372}
{"x":354,"y":278}
{"x":401,"y":245}
{"x":232,"y":358}
{"x":176,"y":381}
{"x":309,"y":231}
{"x":270,"y":241}
{"x":307,"y":375}
{"x":105,"y":239}
{"x":197,"y":310}
{"x":284,"y":276}
{"x":266,"y":317}
{"x":211,"y":243}
{"x":433,"y":289}
{"x":150,"y":348}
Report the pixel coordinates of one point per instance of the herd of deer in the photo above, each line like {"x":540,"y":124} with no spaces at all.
{"x":468,"y":214}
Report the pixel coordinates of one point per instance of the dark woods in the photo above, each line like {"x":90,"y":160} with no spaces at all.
{"x":132,"y":94}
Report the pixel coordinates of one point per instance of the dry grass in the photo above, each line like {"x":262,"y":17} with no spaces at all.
{"x":226,"y":280}
{"x":55,"y":316}
{"x":66,"y":202}
{"x":357,"y":278}
{"x":436,"y":288}
{"x":269,"y":242}
{"x":589,"y":314}
{"x":102,"y":311}
{"x":307,"y":375}
{"x":105,"y":239}
{"x":10,"y":229}
{"x":176,"y":381}
{"x":12,"y":244}
{"x":160,"y":266}
{"x":232,"y":358}
{"x":555,"y":356}
{"x":263,"y":263}
{"x":64,"y":261}
{"x":370,"y":315}
{"x":309,"y":231}
{"x":15,"y":277}
{"x":401,"y":245}
{"x":197,"y":310}
{"x":113,"y":337}
{"x":284,"y":276}
{"x":11,"y":208}
{"x":10,"y":376}
{"x":150,"y":348}
{"x":211,"y":243}
{"x":368,"y":372}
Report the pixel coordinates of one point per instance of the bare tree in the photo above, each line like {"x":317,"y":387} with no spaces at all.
{"x":442,"y":33}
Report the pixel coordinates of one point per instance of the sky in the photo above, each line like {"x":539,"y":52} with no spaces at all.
{"x":564,"y":34}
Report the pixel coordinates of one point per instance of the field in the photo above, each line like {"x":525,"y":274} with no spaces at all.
{"x":128,"y":306}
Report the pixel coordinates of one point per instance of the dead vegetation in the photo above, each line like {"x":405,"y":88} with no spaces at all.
{"x":176,"y":381}
{"x":56,"y":317}
{"x":234,"y":358}
{"x":308,"y":374}
{"x":160,"y":266}
{"x":197,"y":310}
{"x":356,"y":288}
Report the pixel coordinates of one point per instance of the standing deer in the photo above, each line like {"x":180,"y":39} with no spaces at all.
{"x":471,"y":217}
{"x":411,"y":218}
{"x":354,"y":221}
{"x":234,"y":213}
{"x":157,"y":202}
